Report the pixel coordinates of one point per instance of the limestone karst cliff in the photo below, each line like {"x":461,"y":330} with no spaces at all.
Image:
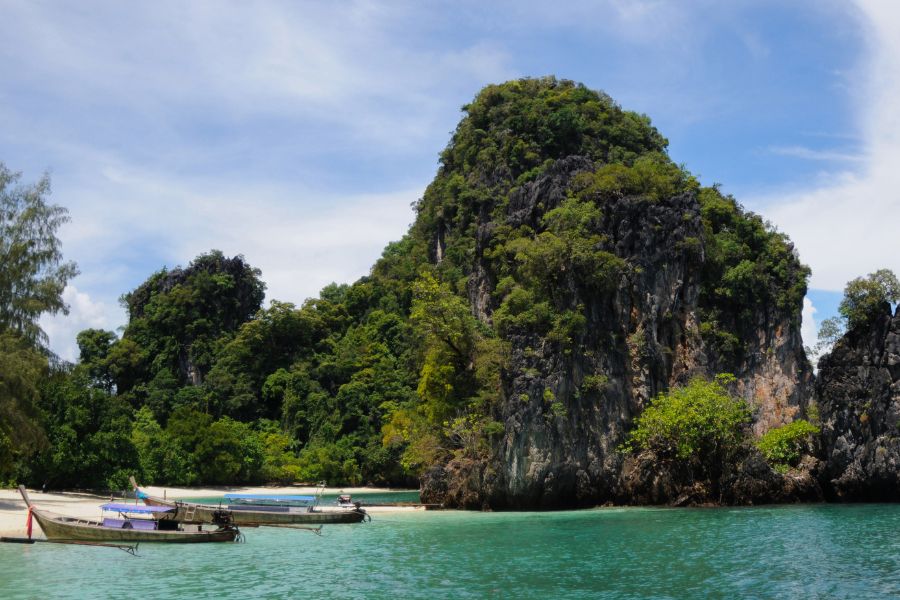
{"x":611,"y":275}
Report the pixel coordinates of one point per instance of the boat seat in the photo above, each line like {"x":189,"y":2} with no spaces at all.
{"x":108,"y":522}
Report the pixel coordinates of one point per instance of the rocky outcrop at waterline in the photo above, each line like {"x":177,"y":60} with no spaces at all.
{"x":750,"y":479}
{"x":858,"y":391}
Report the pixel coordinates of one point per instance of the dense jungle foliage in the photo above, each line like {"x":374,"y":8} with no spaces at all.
{"x":374,"y":382}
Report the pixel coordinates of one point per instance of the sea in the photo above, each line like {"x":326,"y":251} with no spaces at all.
{"x":794,"y":551}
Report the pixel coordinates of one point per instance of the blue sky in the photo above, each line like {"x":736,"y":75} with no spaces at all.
{"x":299,"y":133}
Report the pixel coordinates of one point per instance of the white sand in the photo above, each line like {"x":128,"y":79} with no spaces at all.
{"x":13,"y":512}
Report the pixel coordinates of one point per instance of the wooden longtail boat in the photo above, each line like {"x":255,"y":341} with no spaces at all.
{"x":163,"y":528}
{"x":258,"y":509}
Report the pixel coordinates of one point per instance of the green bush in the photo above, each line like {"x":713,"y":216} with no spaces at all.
{"x":700,"y":422}
{"x":782,"y":446}
{"x":864,"y":297}
{"x":595,"y":383}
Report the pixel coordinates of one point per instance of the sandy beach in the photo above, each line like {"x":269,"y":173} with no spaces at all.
{"x":13,"y":512}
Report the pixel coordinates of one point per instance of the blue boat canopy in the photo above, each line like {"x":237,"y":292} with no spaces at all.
{"x":270,"y":497}
{"x":136,"y":508}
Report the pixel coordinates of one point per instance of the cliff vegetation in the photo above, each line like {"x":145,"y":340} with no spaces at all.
{"x":563,"y":277}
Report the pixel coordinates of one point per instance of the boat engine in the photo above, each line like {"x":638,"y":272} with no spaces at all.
{"x":222,"y":518}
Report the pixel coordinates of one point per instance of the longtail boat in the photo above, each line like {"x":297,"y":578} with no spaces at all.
{"x":162,"y":527}
{"x":259,"y":509}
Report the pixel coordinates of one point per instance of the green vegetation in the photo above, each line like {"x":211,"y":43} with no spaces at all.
{"x":865,"y":296}
{"x":33,"y":275}
{"x":782,"y":446}
{"x":749,"y":267}
{"x":32,"y":279}
{"x":700,"y":423}
{"x":377,"y":381}
{"x":704,"y":426}
{"x":864,"y":300}
{"x":518,"y":125}
{"x":21,"y":369}
{"x":595,"y":383}
{"x":178,"y":318}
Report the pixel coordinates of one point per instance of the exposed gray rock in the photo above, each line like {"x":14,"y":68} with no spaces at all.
{"x":859,"y":401}
{"x":568,"y":409}
{"x":749,"y":479}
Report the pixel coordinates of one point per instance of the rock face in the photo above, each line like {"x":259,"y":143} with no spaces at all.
{"x":569,"y":409}
{"x":750,"y":480}
{"x":858,"y":390}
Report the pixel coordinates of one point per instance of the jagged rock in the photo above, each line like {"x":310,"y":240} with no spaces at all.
{"x":754,"y":481}
{"x":858,"y":391}
{"x":648,"y":479}
{"x":455,"y":484}
{"x":528,"y":203}
{"x":641,"y":338}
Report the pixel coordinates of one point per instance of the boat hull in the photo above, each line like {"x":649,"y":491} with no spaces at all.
{"x":188,"y":512}
{"x":67,"y":529}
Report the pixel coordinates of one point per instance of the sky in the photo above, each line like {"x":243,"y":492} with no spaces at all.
{"x":298,"y":134}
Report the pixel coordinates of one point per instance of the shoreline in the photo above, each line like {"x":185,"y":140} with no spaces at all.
{"x":13,"y":512}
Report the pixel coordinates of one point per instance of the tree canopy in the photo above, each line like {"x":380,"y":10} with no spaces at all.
{"x":864,"y":297}
{"x":702,"y":423}
{"x":21,"y":369}
{"x":33,"y":274}
{"x":32,"y":279}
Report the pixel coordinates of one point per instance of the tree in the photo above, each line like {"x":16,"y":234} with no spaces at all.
{"x":32,"y":272}
{"x":830,"y":331}
{"x":89,"y":434}
{"x":701,"y":424}
{"x":865,"y":296}
{"x":783,"y":446}
{"x":32,"y":278}
{"x":21,"y":368}
{"x":864,"y":300}
{"x":94,"y":346}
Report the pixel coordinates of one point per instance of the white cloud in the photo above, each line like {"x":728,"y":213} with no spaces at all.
{"x":300,"y":251}
{"x":809,"y":328}
{"x":340,"y":66}
{"x":84,"y":313}
{"x":845,"y":224}
{"x":810,"y":154}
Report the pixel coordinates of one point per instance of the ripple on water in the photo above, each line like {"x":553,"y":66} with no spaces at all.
{"x":825,"y":551}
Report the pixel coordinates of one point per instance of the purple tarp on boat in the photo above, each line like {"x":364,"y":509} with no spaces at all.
{"x":135,"y":508}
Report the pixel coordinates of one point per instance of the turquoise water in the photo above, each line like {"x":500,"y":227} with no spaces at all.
{"x":810,"y":551}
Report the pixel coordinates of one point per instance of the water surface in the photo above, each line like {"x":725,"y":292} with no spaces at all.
{"x":809,"y":551}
